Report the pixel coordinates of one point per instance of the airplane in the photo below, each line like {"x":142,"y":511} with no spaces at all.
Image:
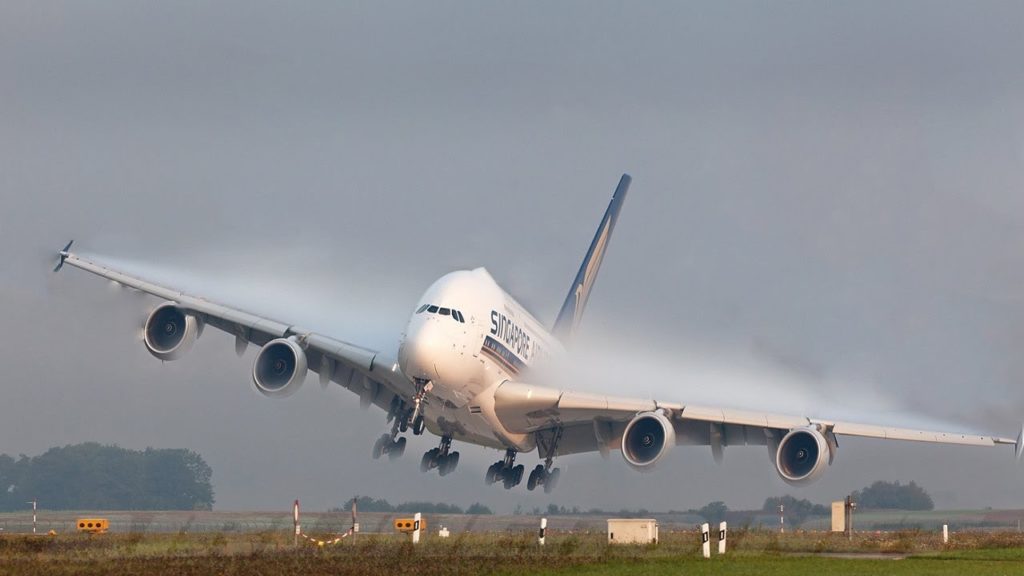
{"x":464,"y":371}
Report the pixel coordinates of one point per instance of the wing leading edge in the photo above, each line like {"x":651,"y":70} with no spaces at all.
{"x":597,"y":421}
{"x":374,"y":376}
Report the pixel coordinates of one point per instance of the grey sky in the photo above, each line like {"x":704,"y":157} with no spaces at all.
{"x":826,"y":214}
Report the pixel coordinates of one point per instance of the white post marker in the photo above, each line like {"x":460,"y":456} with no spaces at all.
{"x":705,"y":538}
{"x":721,"y":538}
{"x":295,"y":521}
{"x":945,"y":533}
{"x":416,"y":528}
{"x":543,"y":530}
{"x":33,"y":503}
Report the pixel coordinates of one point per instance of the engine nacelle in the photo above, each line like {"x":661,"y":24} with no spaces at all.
{"x":170,"y":332}
{"x":647,"y":438}
{"x":280,"y":368}
{"x":802,"y":456}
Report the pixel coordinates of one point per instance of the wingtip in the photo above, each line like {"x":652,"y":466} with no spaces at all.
{"x":63,"y":254}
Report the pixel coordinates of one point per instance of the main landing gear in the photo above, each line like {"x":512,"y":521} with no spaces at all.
{"x":391,"y":444}
{"x":506,"y":471}
{"x":441,"y":458}
{"x":403,"y":417}
{"x":388,"y":444}
{"x":543,"y":474}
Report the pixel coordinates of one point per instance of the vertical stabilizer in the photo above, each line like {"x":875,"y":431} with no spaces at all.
{"x":572,"y":309}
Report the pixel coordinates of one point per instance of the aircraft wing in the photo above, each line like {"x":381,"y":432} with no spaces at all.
{"x":593,"y":422}
{"x":374,"y":376}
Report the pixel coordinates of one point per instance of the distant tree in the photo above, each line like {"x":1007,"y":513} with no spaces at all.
{"x":713,"y":512}
{"x":893,"y":496}
{"x":367,"y":504}
{"x":478,"y":509}
{"x":428,"y":508}
{"x":97,"y":477}
{"x":796,"y":511}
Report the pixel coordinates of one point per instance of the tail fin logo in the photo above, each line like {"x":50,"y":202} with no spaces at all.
{"x":579,"y":293}
{"x":590,"y":274}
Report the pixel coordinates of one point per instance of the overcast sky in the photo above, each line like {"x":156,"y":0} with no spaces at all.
{"x":826,"y":217}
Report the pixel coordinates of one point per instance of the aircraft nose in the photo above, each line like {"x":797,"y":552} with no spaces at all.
{"x":423,"y":349}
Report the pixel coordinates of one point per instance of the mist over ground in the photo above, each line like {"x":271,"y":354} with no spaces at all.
{"x":826,"y":218}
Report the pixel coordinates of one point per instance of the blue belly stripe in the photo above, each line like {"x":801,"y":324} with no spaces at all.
{"x":504,"y":355}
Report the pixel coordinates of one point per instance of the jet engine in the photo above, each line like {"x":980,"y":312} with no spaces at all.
{"x":170,"y":331}
{"x":802,"y":456}
{"x":647,"y":438}
{"x":280,"y":368}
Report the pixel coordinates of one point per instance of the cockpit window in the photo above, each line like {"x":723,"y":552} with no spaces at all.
{"x":431,"y":309}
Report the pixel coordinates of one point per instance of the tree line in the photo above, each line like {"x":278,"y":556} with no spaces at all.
{"x":92,"y":476}
{"x":367,"y":504}
{"x":878,"y":496}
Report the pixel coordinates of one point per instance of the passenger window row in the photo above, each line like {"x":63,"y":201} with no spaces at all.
{"x":431,"y":309}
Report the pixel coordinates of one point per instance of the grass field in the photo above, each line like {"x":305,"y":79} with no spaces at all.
{"x":754,"y":552}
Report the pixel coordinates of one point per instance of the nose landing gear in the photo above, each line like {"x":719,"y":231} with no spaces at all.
{"x":414,"y":416}
{"x":441,"y":458}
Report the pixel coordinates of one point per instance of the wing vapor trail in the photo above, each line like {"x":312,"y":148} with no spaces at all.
{"x":730,"y":378}
{"x":345,"y":309}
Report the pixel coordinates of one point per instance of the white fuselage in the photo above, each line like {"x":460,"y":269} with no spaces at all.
{"x":468,"y":336}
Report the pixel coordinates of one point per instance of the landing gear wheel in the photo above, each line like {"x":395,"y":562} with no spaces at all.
{"x":448,"y":463}
{"x":418,"y":425}
{"x":535,"y":477}
{"x":552,"y":480}
{"x":493,"y":473}
{"x":397,"y":449}
{"x":428,"y":460}
{"x":404,"y":425}
{"x":513,"y":476}
{"x":378,"y":446}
